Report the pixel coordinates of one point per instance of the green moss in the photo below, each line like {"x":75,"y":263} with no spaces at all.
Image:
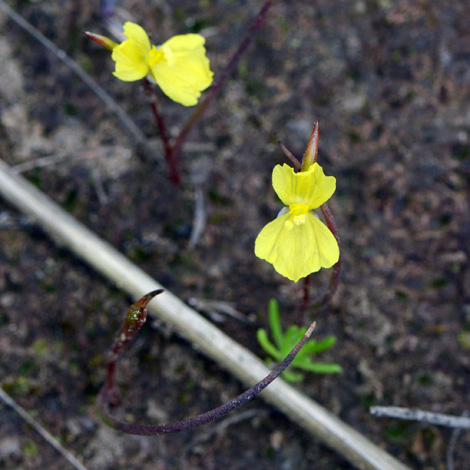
{"x":138,"y":254}
{"x":400,"y":295}
{"x":26,"y":367}
{"x":20,"y":387}
{"x":368,"y":400}
{"x":30,"y":449}
{"x":183,"y":398}
{"x":40,"y":347}
{"x":399,"y":432}
{"x":425,"y":380}
{"x":71,"y":200}
{"x":439,"y":282}
{"x":464,"y":339}
{"x":48,"y":288}
{"x":217,"y":198}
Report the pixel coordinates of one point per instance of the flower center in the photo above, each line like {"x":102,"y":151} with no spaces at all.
{"x":298,"y":211}
{"x":299,"y":219}
{"x":162,"y":54}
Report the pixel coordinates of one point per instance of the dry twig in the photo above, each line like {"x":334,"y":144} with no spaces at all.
{"x":61,"y":55}
{"x":438,"y":419}
{"x":40,"y":430}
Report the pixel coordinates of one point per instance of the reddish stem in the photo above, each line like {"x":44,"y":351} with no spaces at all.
{"x":290,"y":156}
{"x":168,"y":149}
{"x":133,"y":322}
{"x":215,"y":90}
{"x":306,"y":288}
{"x":336,"y":273}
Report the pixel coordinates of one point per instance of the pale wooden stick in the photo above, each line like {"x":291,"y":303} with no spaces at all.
{"x":188,"y":323}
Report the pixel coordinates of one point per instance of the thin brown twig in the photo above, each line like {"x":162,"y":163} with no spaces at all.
{"x":290,"y":156}
{"x":40,"y":430}
{"x":215,"y":90}
{"x":72,"y":65}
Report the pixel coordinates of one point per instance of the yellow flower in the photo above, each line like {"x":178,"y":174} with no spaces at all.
{"x":179,"y":66}
{"x":297,"y":243}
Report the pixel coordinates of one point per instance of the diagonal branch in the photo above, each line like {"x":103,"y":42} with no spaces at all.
{"x":438,"y":419}
{"x":72,"y":65}
{"x":215,"y":90}
{"x":41,"y":430}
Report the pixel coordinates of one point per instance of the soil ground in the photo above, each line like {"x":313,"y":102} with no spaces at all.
{"x":390,"y":84}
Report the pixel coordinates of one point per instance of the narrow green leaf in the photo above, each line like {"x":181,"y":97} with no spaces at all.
{"x":291,"y":337}
{"x":319,"y":346}
{"x":290,"y":376}
{"x":263,"y":340}
{"x":320,"y":367}
{"x":275,"y":322}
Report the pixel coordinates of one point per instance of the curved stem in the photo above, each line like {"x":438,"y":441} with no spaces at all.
{"x":109,"y":396}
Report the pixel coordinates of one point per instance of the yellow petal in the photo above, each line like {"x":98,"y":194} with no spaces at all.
{"x":188,"y":73}
{"x":311,"y":188}
{"x":296,"y":251}
{"x":137,"y":34}
{"x":131,"y":56}
{"x":185,"y":42}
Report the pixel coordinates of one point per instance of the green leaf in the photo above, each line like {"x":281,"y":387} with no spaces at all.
{"x":286,"y":341}
{"x":291,"y":337}
{"x":313,"y":347}
{"x":290,"y":376}
{"x":275,"y":322}
{"x":263,"y":340}
{"x":320,"y":367}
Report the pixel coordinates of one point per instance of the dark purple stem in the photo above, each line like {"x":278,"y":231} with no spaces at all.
{"x":168,"y":149}
{"x":306,"y":288}
{"x":336,"y":273}
{"x":215,"y":90}
{"x":135,"y":318}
